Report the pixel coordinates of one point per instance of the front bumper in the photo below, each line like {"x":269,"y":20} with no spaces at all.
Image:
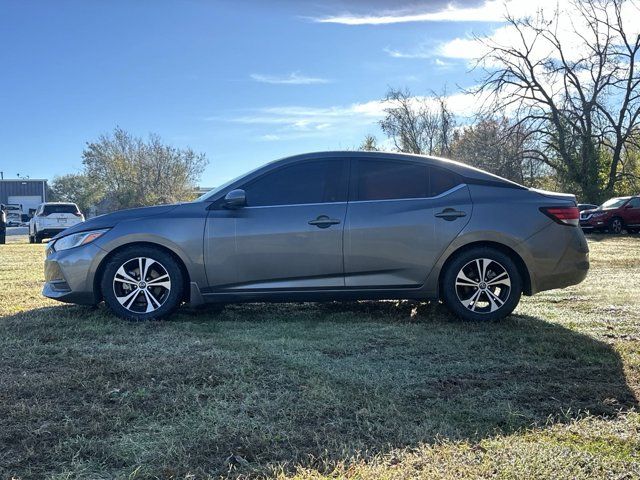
{"x":592,"y":223}
{"x":69,"y":274}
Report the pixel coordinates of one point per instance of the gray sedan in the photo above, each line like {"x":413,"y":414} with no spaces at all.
{"x":329,"y":226}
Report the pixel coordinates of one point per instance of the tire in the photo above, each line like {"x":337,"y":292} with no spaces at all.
{"x":31,"y":239}
{"x":616,"y":225}
{"x":3,"y":237}
{"x":151,"y":302}
{"x":496,"y":295}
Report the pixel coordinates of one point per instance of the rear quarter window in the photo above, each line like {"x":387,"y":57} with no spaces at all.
{"x":442,"y":180}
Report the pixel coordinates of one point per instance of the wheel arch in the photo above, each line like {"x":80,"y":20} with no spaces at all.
{"x":523,"y":270}
{"x":97,"y":278}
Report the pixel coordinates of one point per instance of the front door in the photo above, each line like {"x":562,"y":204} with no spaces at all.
{"x":401,"y":217}
{"x":289,"y":235}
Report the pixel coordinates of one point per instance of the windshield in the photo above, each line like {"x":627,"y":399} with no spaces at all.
{"x":614,"y":202}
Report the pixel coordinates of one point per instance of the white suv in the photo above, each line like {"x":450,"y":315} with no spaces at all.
{"x":51,"y":218}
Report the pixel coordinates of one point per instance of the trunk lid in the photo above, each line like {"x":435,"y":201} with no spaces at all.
{"x":563,"y":197}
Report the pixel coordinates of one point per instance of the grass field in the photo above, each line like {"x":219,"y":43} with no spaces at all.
{"x":362,"y":390}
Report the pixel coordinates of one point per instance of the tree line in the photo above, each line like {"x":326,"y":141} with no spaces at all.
{"x":559,"y":109}
{"x":560,"y":104}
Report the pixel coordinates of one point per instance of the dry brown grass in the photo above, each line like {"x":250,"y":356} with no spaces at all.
{"x":364,"y":390}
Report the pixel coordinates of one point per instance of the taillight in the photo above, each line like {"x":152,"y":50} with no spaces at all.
{"x":563,"y":215}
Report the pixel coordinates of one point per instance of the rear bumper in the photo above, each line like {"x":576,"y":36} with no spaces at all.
{"x":560,"y":258}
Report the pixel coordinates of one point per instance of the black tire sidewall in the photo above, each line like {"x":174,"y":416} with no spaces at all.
{"x":450,"y":297}
{"x":169,"y":263}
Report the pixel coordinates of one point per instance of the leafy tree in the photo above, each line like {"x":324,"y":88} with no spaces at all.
{"x":136,"y":172}
{"x":77,"y":188}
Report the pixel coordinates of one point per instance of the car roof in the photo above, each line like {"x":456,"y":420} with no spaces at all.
{"x":467,"y":171}
{"x":58,"y":203}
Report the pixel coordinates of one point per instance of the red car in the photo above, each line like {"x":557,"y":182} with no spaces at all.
{"x":614,"y":215}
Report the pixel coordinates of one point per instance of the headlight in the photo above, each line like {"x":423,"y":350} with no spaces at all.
{"x":77,"y":239}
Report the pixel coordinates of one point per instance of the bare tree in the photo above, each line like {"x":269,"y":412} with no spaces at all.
{"x":416,"y":126}
{"x":500,"y":147}
{"x":572,"y":78}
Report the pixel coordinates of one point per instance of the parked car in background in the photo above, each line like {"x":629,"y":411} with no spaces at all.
{"x":14,"y":214}
{"x":52,"y":218}
{"x":3,"y":224}
{"x":329,"y":226}
{"x":586,"y":206}
{"x":614,"y":215}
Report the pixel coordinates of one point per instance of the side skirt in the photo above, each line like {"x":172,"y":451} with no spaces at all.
{"x":325,"y":295}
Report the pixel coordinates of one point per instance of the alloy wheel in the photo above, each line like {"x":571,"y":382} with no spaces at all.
{"x":616,"y":225}
{"x":141,"y":285}
{"x":483,"y":285}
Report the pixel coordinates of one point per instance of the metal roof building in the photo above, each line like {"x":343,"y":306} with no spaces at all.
{"x":27,"y":192}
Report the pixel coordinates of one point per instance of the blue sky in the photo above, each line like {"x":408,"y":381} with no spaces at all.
{"x":244,"y":82}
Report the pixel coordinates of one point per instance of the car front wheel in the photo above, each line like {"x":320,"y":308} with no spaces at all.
{"x":616,"y":226}
{"x":482,"y":283}
{"x":142,"y":283}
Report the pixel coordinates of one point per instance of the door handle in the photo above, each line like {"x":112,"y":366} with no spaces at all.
{"x":324,"y":222}
{"x":450,"y":214}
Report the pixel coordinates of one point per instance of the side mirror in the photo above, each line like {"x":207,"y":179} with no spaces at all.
{"x":235,"y":199}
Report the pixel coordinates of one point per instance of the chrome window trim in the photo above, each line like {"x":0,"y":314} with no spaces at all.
{"x":443,"y":194}
{"x":294,"y":205}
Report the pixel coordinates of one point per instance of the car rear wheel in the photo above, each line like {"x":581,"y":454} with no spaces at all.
{"x":616,"y":225}
{"x":142,"y":283}
{"x":482,"y":283}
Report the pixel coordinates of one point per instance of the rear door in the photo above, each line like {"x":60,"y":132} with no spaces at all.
{"x":401,"y":217}
{"x":633,"y":212}
{"x":289,"y":236}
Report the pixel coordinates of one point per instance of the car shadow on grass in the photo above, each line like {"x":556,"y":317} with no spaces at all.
{"x":259,"y":387}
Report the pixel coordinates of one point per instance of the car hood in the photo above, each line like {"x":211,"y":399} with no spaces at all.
{"x":111,"y":219}
{"x":594,"y":210}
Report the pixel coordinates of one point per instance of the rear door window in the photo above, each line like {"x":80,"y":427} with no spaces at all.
{"x":388,"y":180}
